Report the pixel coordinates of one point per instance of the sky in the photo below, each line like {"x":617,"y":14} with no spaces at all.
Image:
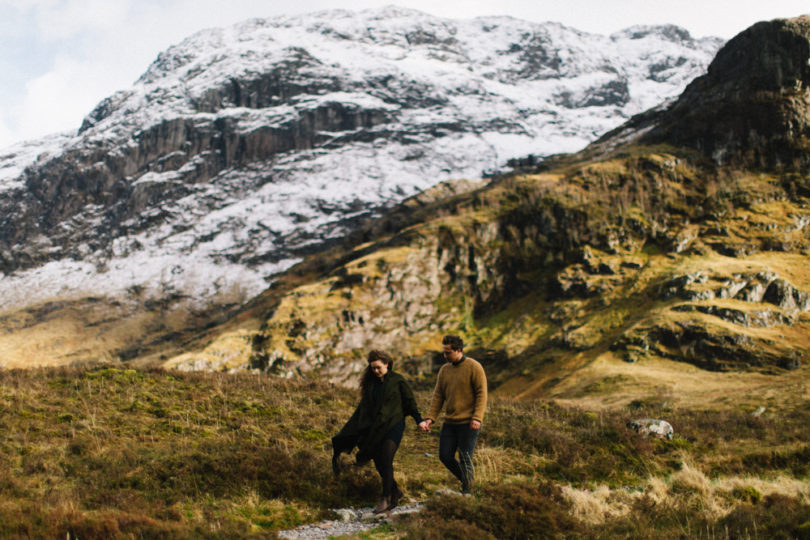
{"x":59,"y":58}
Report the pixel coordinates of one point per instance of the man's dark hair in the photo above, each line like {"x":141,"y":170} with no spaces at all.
{"x":455,"y":342}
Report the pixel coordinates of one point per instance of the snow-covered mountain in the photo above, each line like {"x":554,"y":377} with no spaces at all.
{"x":243,"y":148}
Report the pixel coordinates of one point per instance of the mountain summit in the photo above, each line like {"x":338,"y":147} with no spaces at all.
{"x":752,"y":107}
{"x":242,"y":149}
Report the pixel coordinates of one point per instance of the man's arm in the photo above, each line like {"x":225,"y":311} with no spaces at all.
{"x":436,"y":404}
{"x":479,"y":384}
{"x":437,"y":400}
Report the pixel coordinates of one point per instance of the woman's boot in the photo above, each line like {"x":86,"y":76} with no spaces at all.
{"x":382,"y":506}
{"x":395,"y":497}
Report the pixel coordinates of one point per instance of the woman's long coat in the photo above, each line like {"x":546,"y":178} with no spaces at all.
{"x":371,"y":421}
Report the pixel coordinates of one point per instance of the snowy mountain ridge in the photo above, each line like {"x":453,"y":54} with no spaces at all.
{"x":241,"y":149}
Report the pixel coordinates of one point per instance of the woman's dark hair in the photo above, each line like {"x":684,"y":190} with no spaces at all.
{"x":455,"y":342}
{"x":368,"y":375}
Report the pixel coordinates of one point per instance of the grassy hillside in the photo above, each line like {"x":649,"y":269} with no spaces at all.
{"x":139,"y":328}
{"x":107,"y":453}
{"x":595,"y":279}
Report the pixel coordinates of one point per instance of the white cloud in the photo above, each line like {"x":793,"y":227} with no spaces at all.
{"x":96,"y":47}
{"x":59,"y":99}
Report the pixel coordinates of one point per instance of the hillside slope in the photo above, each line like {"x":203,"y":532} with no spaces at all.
{"x":640,"y":268}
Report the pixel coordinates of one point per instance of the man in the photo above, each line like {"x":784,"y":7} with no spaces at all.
{"x":462,"y":389}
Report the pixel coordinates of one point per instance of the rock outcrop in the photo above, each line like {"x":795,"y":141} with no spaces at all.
{"x":753,"y":106}
{"x":761,"y":287}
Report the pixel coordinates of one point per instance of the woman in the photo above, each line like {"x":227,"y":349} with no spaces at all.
{"x":377,"y":425}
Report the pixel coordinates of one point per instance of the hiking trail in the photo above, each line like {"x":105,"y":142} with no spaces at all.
{"x":350,"y":521}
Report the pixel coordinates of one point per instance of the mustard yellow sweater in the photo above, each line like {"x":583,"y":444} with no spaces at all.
{"x":462,"y":389}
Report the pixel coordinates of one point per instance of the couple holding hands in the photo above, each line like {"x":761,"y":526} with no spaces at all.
{"x":378,"y":423}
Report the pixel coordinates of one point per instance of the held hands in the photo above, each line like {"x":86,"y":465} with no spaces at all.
{"x":424,"y":425}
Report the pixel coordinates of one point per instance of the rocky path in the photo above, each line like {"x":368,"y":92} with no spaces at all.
{"x":351,"y":521}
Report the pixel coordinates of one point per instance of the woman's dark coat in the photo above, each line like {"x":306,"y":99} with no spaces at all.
{"x":371,"y":421}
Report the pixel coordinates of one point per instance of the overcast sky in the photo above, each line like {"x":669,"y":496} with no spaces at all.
{"x":58,"y":58}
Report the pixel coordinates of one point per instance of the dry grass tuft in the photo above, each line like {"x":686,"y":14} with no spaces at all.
{"x":595,"y":506}
{"x":689,"y":481}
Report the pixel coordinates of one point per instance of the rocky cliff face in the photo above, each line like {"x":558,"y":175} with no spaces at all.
{"x":752,"y":107}
{"x":243,"y":149}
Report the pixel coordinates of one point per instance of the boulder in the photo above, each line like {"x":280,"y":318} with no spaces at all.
{"x":346,"y":514}
{"x":677,"y":287}
{"x":654,"y":428}
{"x":786,"y":296}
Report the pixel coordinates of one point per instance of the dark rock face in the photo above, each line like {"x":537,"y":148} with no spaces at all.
{"x":709,"y":350}
{"x":753,"y":106}
{"x":769,"y":56}
{"x":67,"y":189}
{"x":786,"y":296}
{"x":613,"y":93}
{"x":292,"y":77}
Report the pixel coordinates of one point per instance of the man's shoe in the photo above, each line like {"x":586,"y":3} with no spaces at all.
{"x":382,"y":506}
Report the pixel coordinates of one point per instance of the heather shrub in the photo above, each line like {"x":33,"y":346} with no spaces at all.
{"x":777,"y":516}
{"x":579,"y":446}
{"x":450,"y":529}
{"x":517,"y":510}
{"x":131,"y":453}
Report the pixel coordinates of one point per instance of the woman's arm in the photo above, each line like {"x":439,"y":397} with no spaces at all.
{"x":409,"y":405}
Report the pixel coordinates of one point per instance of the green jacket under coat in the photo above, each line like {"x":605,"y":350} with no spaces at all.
{"x":372,"y":420}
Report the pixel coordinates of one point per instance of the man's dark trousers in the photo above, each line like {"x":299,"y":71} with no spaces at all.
{"x":461,"y":438}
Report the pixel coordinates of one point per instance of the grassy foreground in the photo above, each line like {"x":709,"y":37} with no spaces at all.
{"x":113,"y":453}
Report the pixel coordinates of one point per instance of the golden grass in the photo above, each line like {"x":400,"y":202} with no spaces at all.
{"x":712,"y":499}
{"x":677,"y":383}
{"x":595,"y":506}
{"x":73,"y":331}
{"x":230,"y":351}
{"x":68,"y":334}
